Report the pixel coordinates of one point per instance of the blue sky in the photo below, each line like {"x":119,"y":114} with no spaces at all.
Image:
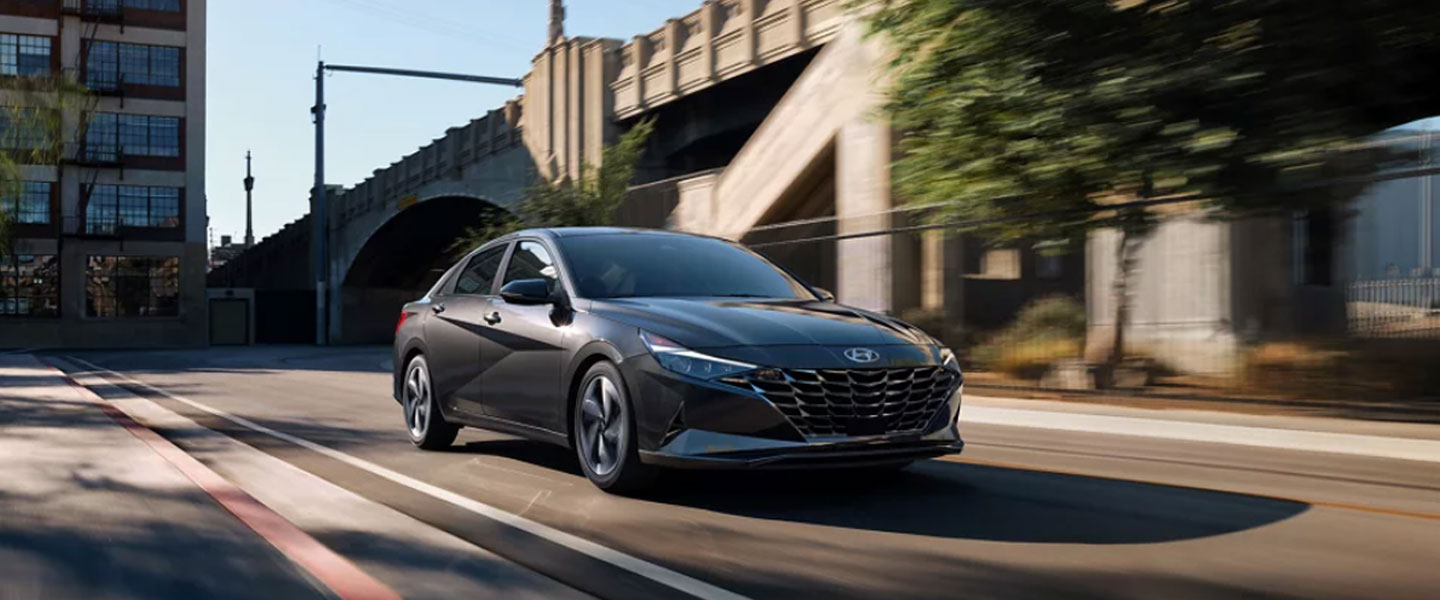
{"x":260,"y":84}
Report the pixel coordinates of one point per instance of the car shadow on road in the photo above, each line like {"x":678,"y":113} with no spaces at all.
{"x":958,"y":500}
{"x":540,"y":454}
{"x":950,"y":500}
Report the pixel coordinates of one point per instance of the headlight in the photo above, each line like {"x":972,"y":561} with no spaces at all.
{"x":683,"y":360}
{"x":947,"y":359}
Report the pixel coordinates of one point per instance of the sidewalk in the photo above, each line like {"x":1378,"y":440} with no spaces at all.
{"x":1406,"y":441}
{"x":88,"y":510}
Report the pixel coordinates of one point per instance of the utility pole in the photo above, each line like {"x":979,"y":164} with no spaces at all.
{"x":317,"y":209}
{"x":249,"y":207}
{"x":318,"y":205}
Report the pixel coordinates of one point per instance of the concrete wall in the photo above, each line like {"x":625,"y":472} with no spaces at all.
{"x":1182,"y":309}
{"x":1203,"y":289}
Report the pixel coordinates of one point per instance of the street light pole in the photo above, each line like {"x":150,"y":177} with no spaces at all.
{"x":318,"y":197}
{"x":318,"y":206}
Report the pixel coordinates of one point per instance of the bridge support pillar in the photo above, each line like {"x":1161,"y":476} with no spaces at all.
{"x":866,"y":265}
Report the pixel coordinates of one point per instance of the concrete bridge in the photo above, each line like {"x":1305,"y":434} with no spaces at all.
{"x":709,"y":78}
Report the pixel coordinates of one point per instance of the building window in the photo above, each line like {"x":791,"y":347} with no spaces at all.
{"x":24,"y":54}
{"x":114,"y":5}
{"x":109,"y":64}
{"x":24,"y":128}
{"x":29,"y":285}
{"x":132,"y":286}
{"x":112,"y":206}
{"x":111,"y":135}
{"x":31,"y":206}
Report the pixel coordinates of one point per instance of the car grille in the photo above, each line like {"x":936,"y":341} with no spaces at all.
{"x":856,"y":402}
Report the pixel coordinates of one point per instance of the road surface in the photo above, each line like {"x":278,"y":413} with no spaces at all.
{"x":1024,"y":513}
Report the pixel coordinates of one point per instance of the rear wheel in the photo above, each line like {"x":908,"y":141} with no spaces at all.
{"x":423,"y":422}
{"x":604,"y":427}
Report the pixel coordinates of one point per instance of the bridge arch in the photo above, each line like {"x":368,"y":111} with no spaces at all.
{"x":399,"y":261}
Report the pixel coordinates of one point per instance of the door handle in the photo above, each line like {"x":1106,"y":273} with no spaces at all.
{"x":493,"y":318}
{"x":438,"y":308}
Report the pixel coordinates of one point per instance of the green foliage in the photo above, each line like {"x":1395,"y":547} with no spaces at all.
{"x":1053,"y":109}
{"x":1046,"y":330}
{"x":590,"y":201}
{"x":32,"y":132}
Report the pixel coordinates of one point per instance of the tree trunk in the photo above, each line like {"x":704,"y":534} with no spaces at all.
{"x":1124,"y":264}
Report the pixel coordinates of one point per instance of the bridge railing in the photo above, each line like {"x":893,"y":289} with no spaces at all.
{"x":718,"y":41}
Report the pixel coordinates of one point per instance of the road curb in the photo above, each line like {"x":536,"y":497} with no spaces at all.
{"x":1244,"y":435}
{"x":341,"y":577}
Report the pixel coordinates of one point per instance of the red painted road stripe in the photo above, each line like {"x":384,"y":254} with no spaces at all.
{"x":343,"y":578}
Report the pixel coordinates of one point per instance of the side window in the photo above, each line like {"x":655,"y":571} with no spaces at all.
{"x":531,"y":261}
{"x":479,"y":275}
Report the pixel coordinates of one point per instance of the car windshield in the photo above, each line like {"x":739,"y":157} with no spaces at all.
{"x":640,"y":264}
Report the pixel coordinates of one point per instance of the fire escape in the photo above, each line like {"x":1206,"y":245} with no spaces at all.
{"x":90,"y":159}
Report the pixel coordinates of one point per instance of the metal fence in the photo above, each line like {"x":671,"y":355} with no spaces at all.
{"x":1279,"y":307}
{"x":1395,"y":308}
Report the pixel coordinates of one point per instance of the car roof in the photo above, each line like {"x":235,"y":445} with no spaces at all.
{"x":564,"y":232}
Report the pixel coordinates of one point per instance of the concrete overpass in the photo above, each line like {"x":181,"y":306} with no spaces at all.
{"x":739,"y":143}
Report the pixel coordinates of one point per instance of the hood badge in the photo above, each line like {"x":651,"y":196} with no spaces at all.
{"x":862,"y":355}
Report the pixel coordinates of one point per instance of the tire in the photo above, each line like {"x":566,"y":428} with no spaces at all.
{"x":604,"y":433}
{"x":424,"y":424}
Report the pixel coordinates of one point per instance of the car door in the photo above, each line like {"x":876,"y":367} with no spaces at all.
{"x":524,"y":384}
{"x":453,"y":332}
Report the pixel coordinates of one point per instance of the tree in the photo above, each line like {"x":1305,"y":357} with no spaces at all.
{"x":590,"y":201}
{"x":1051,"y":118}
{"x":34,"y":111}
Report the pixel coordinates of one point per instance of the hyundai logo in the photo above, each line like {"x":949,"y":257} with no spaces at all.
{"x":862,"y":355}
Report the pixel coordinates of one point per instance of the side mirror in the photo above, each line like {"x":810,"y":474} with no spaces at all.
{"x":527,"y":291}
{"x":824,"y":294}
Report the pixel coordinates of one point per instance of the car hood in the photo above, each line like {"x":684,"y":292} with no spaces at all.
{"x":728,"y":322}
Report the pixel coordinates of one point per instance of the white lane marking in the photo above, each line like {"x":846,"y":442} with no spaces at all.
{"x":1243,"y":435}
{"x":638,"y":566}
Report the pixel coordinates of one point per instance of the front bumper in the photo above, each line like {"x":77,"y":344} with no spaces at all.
{"x":692,"y":423}
{"x":807,"y":456}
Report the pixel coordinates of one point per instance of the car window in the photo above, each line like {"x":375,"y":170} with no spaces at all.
{"x":659,"y":264}
{"x":531,"y":261}
{"x":479,"y":276}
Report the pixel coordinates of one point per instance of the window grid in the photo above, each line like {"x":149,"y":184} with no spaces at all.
{"x":32,"y":205}
{"x":132,"y":286}
{"x":30,"y":134}
{"x":112,"y":206}
{"x":155,"y":5}
{"x":29,"y":286}
{"x":24,"y":54}
{"x":110,"y":136}
{"x":109,"y":64}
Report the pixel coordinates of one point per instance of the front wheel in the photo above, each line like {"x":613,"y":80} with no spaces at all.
{"x":423,"y":421}
{"x":604,"y":427}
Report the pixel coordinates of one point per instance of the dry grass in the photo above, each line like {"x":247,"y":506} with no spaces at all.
{"x":1030,"y":359}
{"x":1354,"y":369}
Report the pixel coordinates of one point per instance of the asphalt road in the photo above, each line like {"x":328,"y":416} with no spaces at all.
{"x":1024,"y":513}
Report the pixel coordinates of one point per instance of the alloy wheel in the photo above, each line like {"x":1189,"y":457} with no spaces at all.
{"x":602,"y":425}
{"x":417,"y":400}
